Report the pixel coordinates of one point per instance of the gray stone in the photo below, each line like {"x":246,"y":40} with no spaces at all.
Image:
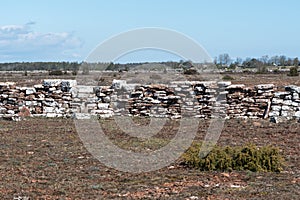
{"x":118,"y":84}
{"x":3,"y":110}
{"x":85,"y":89}
{"x":277,"y":101}
{"x":103,"y":106}
{"x":277,"y":119}
{"x":297,"y":114}
{"x":129,"y":87}
{"x":11,"y":112}
{"x":264,"y":86}
{"x":82,"y":116}
{"x":106,"y":99}
{"x":48,"y":109}
{"x":287,"y":102}
{"x":236,"y":86}
{"x":274,"y":113}
{"x":51,"y":82}
{"x":224,"y":83}
{"x":293,"y":88}
{"x":281,"y":95}
{"x":287,"y":108}
{"x":30,"y":91}
{"x":295,"y":96}
{"x":276,"y":108}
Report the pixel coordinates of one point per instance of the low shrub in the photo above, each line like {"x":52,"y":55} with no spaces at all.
{"x":248,"y":157}
{"x":293,"y":71}
{"x":190,"y":71}
{"x":56,"y":73}
{"x":227,"y":78}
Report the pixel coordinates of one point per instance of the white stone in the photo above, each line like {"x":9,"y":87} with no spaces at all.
{"x":48,"y":109}
{"x":274,"y":113}
{"x":265,"y":86}
{"x":30,"y":103}
{"x":118,"y":84}
{"x":51,"y":89}
{"x":295,"y":95}
{"x":4,"y":96}
{"x":39,"y":86}
{"x":281,"y":94}
{"x":51,"y":115}
{"x":129,"y":87}
{"x":297,"y":114}
{"x":106,"y":99}
{"x":287,"y":102}
{"x":287,"y":108}
{"x":293,"y":88}
{"x":103,"y":106}
{"x":30,"y":91}
{"x":236,"y":86}
{"x":51,"y":82}
{"x":11,"y":112}
{"x":288,"y":97}
{"x":7,"y":83}
{"x":286,"y":113}
{"x":224,"y":83}
{"x":70,"y":83}
{"x":105,"y":111}
{"x":81,"y":116}
{"x":74,"y":91}
{"x":295,"y":104}
{"x":277,"y":101}
{"x":276,"y":108}
{"x":85,"y":89}
{"x":3,"y":110}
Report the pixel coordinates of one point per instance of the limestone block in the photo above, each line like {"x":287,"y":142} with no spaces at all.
{"x":293,"y":88}
{"x":30,"y":91}
{"x":102,"y":106}
{"x":264,"y":86}
{"x":297,"y":114}
{"x":117,"y":84}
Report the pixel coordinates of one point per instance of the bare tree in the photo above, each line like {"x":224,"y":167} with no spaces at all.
{"x":265,"y":59}
{"x":239,"y":61}
{"x":224,"y":59}
{"x":296,"y":62}
{"x":275,"y":60}
{"x":282,"y":60}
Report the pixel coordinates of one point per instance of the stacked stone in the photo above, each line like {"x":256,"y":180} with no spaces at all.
{"x":50,"y":99}
{"x":187,"y":98}
{"x":153,"y":101}
{"x":210,"y":97}
{"x":63,"y":98}
{"x":92,"y":101}
{"x":247,"y":102}
{"x":286,"y":104}
{"x":9,"y":104}
{"x":54,"y":98}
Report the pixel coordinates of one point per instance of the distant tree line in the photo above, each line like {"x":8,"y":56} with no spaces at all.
{"x":75,"y":66}
{"x":224,"y":60}
{"x":31,"y":66}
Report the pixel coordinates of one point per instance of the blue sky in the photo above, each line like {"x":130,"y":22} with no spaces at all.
{"x":68,"y":30}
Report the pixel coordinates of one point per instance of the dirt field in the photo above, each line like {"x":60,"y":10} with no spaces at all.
{"x":45,"y":159}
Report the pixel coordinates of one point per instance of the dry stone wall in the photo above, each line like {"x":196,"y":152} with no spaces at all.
{"x":64,"y":98}
{"x":286,"y":104}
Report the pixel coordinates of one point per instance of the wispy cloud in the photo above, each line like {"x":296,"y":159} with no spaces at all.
{"x":21,"y":42}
